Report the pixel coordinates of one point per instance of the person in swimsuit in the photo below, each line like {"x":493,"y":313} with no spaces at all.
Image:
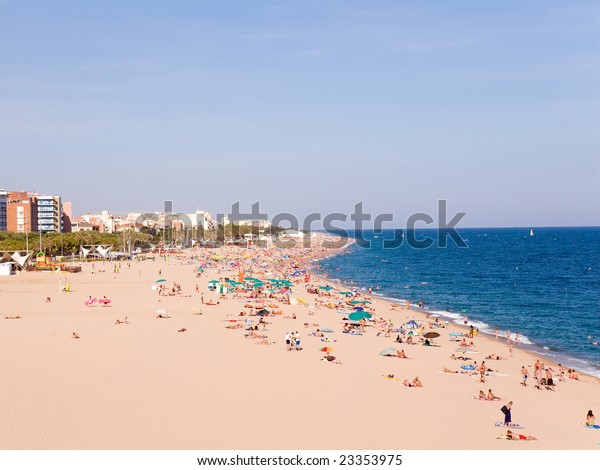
{"x":590,"y":421}
{"x":525,"y":374}
{"x":516,"y":437}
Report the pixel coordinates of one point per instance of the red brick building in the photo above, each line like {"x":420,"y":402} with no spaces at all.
{"x":21,"y":212}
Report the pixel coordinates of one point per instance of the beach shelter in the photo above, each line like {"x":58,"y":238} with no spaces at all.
{"x":326,"y":349}
{"x":160,"y":280}
{"x":263,"y":312}
{"x":327,"y":288}
{"x":412,"y":324}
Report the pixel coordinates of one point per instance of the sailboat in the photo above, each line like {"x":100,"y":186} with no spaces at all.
{"x":531,"y":233}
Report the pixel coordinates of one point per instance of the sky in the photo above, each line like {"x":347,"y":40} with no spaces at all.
{"x":306,"y":106}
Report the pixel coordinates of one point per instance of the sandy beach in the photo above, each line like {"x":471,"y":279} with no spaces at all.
{"x":147,"y":385}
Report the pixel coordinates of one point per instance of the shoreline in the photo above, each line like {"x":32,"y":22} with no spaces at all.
{"x":544,"y":352}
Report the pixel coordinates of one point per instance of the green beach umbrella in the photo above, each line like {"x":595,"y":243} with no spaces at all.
{"x":358,"y":316}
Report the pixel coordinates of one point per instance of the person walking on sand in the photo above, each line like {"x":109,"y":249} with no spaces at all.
{"x":288,"y":341}
{"x":507,"y":414}
{"x":525,"y":374}
{"x":482,"y":370}
{"x":202,"y":298}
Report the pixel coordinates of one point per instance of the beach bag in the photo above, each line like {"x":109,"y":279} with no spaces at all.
{"x":504,"y":409}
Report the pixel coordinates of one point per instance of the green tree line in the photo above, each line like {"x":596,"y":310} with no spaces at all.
{"x":67,"y":243}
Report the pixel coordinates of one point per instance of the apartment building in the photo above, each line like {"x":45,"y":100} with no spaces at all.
{"x":21,"y":212}
{"x":49,"y":214}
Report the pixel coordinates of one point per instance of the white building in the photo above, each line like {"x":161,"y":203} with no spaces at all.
{"x":261,"y":224}
{"x":201,"y":219}
{"x":105,"y":221}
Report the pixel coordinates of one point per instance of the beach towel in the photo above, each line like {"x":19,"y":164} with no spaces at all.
{"x":500,"y":424}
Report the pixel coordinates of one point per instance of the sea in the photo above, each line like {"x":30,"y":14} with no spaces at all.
{"x":543,"y":283}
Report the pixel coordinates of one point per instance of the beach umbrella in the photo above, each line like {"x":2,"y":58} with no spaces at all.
{"x":359,"y":302}
{"x":263,"y":312}
{"x":325,"y":287}
{"x":389,"y":352}
{"x":412,"y":324}
{"x":357,"y":316}
{"x":327,"y":330}
{"x":326,"y":349}
{"x":431,"y":335}
{"x":162,"y":311}
{"x":161,"y":280}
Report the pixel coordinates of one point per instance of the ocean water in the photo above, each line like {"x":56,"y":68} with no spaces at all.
{"x":546,"y":287}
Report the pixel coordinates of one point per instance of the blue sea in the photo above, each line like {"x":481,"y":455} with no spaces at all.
{"x":546,"y":287}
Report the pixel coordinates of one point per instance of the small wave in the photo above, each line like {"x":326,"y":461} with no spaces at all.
{"x":393,"y":299}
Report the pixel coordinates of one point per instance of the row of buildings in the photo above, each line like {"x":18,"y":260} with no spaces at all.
{"x":25,"y":211}
{"x":106,"y":222}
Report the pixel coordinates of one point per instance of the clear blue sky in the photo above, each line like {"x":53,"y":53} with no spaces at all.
{"x":306,"y":106}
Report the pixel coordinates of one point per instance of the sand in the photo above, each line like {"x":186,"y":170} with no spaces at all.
{"x":144,"y":385}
